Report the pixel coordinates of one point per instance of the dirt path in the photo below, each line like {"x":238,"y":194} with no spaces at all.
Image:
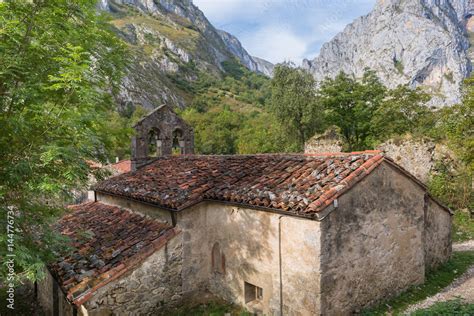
{"x":462,"y":287}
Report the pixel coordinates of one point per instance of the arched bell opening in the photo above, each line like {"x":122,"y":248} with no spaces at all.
{"x":178,"y":142}
{"x":154,"y":143}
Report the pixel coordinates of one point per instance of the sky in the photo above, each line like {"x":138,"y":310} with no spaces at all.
{"x":283,"y":30}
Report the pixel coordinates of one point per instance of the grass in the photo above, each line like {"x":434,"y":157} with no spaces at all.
{"x":399,"y":66}
{"x":454,"y":307}
{"x":435,"y":281}
{"x":463,"y":226}
{"x":211,"y":309}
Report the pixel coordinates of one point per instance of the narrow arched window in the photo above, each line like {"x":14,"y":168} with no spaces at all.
{"x":154,"y":143}
{"x":178,"y":142}
{"x":218,"y":259}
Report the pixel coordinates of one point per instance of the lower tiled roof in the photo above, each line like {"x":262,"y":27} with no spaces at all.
{"x":298,"y":184}
{"x":122,"y":166}
{"x":108,"y":242}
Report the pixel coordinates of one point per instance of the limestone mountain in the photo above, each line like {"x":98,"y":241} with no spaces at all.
{"x":172,"y":42}
{"x":420,"y":42}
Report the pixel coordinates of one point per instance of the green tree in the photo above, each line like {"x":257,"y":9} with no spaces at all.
{"x":402,"y":111}
{"x":215,"y":131}
{"x":293,"y":102}
{"x":350,"y":104}
{"x":455,"y":125}
{"x":58,"y":63}
{"x":261,"y":133}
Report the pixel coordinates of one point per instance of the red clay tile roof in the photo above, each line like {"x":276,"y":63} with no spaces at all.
{"x":108,"y":242}
{"x":122,"y":166}
{"x":300,"y":184}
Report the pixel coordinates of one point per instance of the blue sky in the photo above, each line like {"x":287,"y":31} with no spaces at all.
{"x":282,"y":30}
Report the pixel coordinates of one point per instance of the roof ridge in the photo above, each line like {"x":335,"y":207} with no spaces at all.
{"x":363,"y":152}
{"x":289,"y":155}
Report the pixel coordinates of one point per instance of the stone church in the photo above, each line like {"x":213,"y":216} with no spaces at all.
{"x":283,"y":234}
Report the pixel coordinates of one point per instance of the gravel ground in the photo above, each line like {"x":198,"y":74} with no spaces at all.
{"x":464,"y":246}
{"x":462,"y":287}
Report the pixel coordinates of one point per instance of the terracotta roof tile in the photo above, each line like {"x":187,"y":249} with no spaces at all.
{"x":300,"y":184}
{"x":108,"y":242}
{"x":122,"y":166}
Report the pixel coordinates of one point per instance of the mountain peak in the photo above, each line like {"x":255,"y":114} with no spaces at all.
{"x":417,"y":42}
{"x":171,"y":42}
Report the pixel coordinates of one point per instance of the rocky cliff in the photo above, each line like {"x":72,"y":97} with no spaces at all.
{"x":417,"y":42}
{"x":171,"y":42}
{"x":252,"y":63}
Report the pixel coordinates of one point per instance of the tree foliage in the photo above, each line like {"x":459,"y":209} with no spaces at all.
{"x":229,"y":116}
{"x":58,"y":64}
{"x":367,"y":112}
{"x":294,"y":103}
{"x":454,"y":127}
{"x":402,"y":111}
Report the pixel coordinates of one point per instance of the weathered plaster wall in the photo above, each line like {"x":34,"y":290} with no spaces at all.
{"x":154,"y":285}
{"x":300,"y":249}
{"x":276,"y":253}
{"x":437,"y":234}
{"x":372,"y":243}
{"x":47,"y":297}
{"x":144,"y":209}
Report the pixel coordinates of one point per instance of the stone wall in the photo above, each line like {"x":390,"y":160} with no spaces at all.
{"x":372,"y":243}
{"x":153,"y":286}
{"x":329,"y":142}
{"x":277,"y":253}
{"x":437,"y":234}
{"x":51,"y":297}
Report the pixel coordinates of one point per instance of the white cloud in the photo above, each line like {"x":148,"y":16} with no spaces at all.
{"x":279,"y":30}
{"x":276,"y":43}
{"x":221,"y":11}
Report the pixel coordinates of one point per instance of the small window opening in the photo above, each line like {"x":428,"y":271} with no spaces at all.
{"x":178,"y":142}
{"x":252,"y":292}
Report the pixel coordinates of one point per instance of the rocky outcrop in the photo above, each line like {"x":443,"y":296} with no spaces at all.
{"x":171,"y":41}
{"x":263,"y":66}
{"x":416,"y":42}
{"x":418,"y":156}
{"x":252,"y":63}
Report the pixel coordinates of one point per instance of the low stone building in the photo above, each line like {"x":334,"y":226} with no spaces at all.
{"x":277,"y":234}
